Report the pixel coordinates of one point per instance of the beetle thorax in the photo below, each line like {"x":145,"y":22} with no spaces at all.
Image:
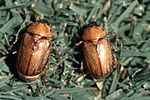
{"x":94,"y":33}
{"x":40,"y":29}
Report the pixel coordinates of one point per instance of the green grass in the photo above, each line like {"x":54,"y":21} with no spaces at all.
{"x":129,"y":20}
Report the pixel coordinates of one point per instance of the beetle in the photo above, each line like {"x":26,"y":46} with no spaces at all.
{"x":34,"y":51}
{"x":97,"y":52}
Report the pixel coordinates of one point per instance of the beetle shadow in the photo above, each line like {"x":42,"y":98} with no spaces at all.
{"x":79,"y":56}
{"x":12,"y":55}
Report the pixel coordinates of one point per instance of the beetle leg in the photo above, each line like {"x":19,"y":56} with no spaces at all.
{"x":82,"y":68}
{"x":39,"y":89}
{"x":114,"y":55}
{"x":111,"y":33}
{"x":123,"y":73}
{"x":45,"y":76}
{"x":79,"y":43}
{"x":115,"y":59}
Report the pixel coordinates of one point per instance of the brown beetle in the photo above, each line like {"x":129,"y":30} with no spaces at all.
{"x":97,"y":51}
{"x":34,"y":51}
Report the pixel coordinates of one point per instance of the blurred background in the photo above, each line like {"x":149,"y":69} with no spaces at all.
{"x":127,"y":20}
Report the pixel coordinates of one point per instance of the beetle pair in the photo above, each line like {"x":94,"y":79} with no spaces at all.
{"x":35,"y":47}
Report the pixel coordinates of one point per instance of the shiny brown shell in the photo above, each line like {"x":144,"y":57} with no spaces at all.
{"x":94,"y":33}
{"x":34,"y":51}
{"x":97,"y":52}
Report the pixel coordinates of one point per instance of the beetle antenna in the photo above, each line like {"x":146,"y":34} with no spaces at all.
{"x":43,"y":21}
{"x":93,"y":23}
